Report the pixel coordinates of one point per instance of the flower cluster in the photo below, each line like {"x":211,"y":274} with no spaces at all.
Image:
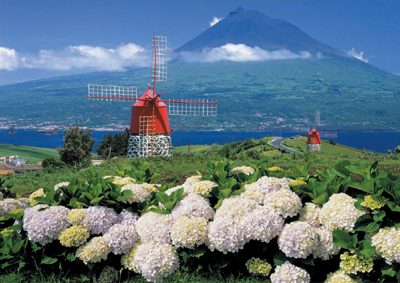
{"x":298,"y":239}
{"x":243,"y":169}
{"x":127,"y":218}
{"x":45,"y":226}
{"x":9,"y":204}
{"x":355,"y":263}
{"x":238,"y":206}
{"x":99,"y":219}
{"x":387,"y":243}
{"x":154,"y":227}
{"x":37,"y":193}
{"x":74,"y":236}
{"x":173,"y":189}
{"x":155,"y":261}
{"x":193,"y":205}
{"x":262,"y":224}
{"x":120,"y":238}
{"x":93,"y":251}
{"x":201,"y":187}
{"x":310,"y":213}
{"x":1,"y":196}
{"x":340,"y":213}
{"x":297,"y":183}
{"x":252,"y":191}
{"x":108,"y":275}
{"x":189,"y":232}
{"x":63,"y":184}
{"x":127,"y":259}
{"x":76,"y":216}
{"x":139,"y":193}
{"x":340,"y":276}
{"x":258,"y":266}
{"x":123,"y":181}
{"x":374,"y":202}
{"x":288,"y":272}
{"x":286,"y":202}
{"x":325,"y":248}
{"x":274,"y":168}
{"x":149,"y":187}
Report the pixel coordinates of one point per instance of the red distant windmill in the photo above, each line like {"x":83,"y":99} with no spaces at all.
{"x":149,"y":128}
{"x":313,"y":138}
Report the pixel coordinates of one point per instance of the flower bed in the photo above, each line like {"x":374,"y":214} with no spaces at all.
{"x":287,"y":226}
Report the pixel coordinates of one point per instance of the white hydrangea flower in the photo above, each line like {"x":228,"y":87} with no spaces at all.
{"x":286,"y":202}
{"x":30,"y":212}
{"x":189,"y":232}
{"x":226,"y":234}
{"x":243,"y":169}
{"x":139,"y":193}
{"x":9,"y":204}
{"x":76,"y":216}
{"x":46,"y":226}
{"x":150,"y":187}
{"x":191,"y":180}
{"x":253,"y":192}
{"x":173,"y":189}
{"x":99,"y":219}
{"x":122,"y":180}
{"x":340,"y":276}
{"x":154,"y":227}
{"x":262,"y":224}
{"x":387,"y":243}
{"x":238,"y":206}
{"x":127,"y":218}
{"x":298,"y":239}
{"x":272,"y":184}
{"x":1,"y":196}
{"x":288,"y":272}
{"x":120,"y":238}
{"x":193,"y":205}
{"x":93,"y":251}
{"x":127,"y":259}
{"x":63,"y":184}
{"x":325,"y":248}
{"x":310,"y":213}
{"x":201,"y":187}
{"x":340,"y":213}
{"x":155,"y":261}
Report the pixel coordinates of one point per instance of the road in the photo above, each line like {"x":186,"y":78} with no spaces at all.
{"x":277,"y":144}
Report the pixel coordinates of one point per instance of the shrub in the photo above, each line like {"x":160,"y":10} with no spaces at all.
{"x":52,"y":162}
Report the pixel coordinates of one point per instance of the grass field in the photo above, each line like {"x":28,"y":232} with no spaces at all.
{"x":32,"y":155}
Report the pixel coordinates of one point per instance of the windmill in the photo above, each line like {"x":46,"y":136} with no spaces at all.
{"x":150,"y":134}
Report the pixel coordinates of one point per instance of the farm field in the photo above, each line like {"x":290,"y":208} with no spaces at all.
{"x":32,"y":155}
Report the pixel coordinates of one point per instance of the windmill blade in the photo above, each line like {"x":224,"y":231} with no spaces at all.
{"x":201,"y":107}
{"x":160,"y":58}
{"x":111,"y":92}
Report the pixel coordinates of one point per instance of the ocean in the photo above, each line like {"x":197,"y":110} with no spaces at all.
{"x":371,"y":141}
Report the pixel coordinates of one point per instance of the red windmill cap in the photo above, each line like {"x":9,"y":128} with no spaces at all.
{"x":148,"y":94}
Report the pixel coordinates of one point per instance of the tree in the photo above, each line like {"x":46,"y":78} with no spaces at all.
{"x":78,"y":147}
{"x":113,"y":145}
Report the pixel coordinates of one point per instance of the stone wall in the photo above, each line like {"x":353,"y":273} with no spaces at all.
{"x":140,"y":145}
{"x":313,"y":147}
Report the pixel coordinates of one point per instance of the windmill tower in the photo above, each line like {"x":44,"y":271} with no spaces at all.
{"x":150,"y":134}
{"x":313,"y":138}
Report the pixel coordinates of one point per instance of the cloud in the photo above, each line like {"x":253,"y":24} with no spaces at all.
{"x":398,"y":74}
{"x":215,"y":20}
{"x":358,"y":55}
{"x":241,"y":53}
{"x":8,"y":59}
{"x":76,"y":57}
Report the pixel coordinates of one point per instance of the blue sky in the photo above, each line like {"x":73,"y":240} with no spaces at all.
{"x":37,"y":38}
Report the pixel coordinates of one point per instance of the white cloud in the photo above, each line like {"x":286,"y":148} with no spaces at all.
{"x":398,"y":74}
{"x":241,"y":53}
{"x":215,"y":20}
{"x":8,"y":59}
{"x":358,"y":55}
{"x":76,"y":57}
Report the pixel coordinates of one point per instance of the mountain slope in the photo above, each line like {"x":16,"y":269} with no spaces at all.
{"x":253,"y":28}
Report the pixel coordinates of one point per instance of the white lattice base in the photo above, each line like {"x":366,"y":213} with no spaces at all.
{"x":140,"y":145}
{"x":314,"y":147}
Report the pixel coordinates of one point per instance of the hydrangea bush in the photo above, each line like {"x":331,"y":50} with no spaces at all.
{"x":339,"y":225}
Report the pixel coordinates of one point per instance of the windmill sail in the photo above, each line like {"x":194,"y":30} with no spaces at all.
{"x":201,"y":107}
{"x":111,"y":92}
{"x":159,"y":62}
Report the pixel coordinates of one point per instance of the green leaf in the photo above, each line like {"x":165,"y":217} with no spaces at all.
{"x":169,"y":205}
{"x":43,"y":200}
{"x":280,"y":258}
{"x":17,"y":246}
{"x":366,"y":248}
{"x":342,"y":239}
{"x":226,"y":192}
{"x":159,"y":210}
{"x":393,"y":206}
{"x":162,"y":197}
{"x":379,"y":216}
{"x":397,"y":225}
{"x":88,"y":195}
{"x":49,"y":260}
{"x":198,"y":252}
{"x":398,"y":276}
{"x":388,"y":270}
{"x":321,"y":199}
{"x":84,"y":277}
{"x":308,"y":261}
{"x":365,"y":223}
{"x":96,"y":200}
{"x":219,"y":203}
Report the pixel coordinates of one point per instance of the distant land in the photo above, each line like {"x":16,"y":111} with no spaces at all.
{"x":254,"y":96}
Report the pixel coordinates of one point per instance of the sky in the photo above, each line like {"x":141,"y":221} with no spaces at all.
{"x":41,"y":39}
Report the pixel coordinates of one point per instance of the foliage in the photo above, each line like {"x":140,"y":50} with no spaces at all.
{"x":52,"y":162}
{"x":78,"y":147}
{"x":113,"y":145}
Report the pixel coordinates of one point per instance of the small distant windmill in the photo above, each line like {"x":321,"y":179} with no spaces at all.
{"x":149,"y":131}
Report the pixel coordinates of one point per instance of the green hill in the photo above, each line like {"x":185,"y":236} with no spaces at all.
{"x":351,"y":95}
{"x":32,"y":155}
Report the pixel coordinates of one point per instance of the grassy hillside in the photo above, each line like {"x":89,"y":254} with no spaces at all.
{"x":351,"y":95}
{"x":32,"y":155}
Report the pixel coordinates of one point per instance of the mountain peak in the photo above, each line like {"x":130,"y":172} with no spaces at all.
{"x":254,"y":28}
{"x":238,"y":10}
